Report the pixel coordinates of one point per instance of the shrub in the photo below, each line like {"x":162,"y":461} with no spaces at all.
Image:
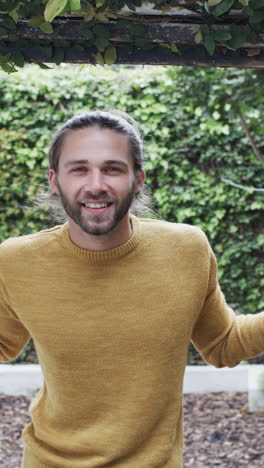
{"x":189,"y":149}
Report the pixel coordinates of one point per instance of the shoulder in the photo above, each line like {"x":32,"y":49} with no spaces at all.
{"x":176,"y":242}
{"x":27,"y":243}
{"x":179,"y":233}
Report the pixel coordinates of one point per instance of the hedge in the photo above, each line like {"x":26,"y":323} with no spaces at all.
{"x":188,"y":153}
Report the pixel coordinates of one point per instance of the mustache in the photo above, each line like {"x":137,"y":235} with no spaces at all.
{"x":102,"y":196}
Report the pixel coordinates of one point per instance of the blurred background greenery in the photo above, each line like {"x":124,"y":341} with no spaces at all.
{"x":202,"y":128}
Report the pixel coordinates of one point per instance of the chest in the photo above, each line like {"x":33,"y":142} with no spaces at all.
{"x":100,"y":311}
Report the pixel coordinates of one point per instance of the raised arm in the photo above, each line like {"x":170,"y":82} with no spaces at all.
{"x":221,"y":337}
{"x":13,"y":335}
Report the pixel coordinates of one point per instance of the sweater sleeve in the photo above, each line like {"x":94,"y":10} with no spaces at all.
{"x":221,"y":337}
{"x":13,"y":335}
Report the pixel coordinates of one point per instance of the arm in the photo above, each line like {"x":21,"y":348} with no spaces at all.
{"x":13,"y":335}
{"x":221,"y":337}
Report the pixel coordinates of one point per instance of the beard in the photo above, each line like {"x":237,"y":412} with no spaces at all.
{"x":97,"y":225}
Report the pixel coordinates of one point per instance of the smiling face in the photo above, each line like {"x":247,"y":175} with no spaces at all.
{"x":97,"y":183}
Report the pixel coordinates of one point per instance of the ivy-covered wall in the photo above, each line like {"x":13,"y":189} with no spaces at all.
{"x":190,"y":148}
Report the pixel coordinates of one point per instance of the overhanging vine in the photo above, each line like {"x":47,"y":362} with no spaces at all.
{"x":108,"y":27}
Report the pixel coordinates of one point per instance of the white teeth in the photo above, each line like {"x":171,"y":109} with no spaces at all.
{"x":95,"y":205}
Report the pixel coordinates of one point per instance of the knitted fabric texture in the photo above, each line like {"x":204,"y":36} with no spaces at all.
{"x":111,"y":330}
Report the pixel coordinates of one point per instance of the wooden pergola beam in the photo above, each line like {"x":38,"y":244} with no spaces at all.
{"x":178,"y":29}
{"x":126,"y":55}
{"x":157,"y":29}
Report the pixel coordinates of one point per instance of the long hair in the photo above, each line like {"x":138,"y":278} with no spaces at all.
{"x":114,"y":120}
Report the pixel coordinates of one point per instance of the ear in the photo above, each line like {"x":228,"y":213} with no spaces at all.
{"x":140,"y":178}
{"x":53,"y":181}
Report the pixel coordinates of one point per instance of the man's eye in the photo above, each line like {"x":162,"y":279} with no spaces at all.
{"x":113,"y":169}
{"x":78,"y":169}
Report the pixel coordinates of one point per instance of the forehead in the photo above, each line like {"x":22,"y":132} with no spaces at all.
{"x":95,"y":143}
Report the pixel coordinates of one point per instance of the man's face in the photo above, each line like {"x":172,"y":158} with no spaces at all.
{"x":96,"y":180}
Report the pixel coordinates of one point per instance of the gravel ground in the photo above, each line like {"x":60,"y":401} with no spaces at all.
{"x":219,"y":431}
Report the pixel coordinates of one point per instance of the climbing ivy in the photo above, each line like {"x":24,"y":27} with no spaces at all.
{"x":193,"y":140}
{"x":99,"y":18}
{"x":193,"y":143}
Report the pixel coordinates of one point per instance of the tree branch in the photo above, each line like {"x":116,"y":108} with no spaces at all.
{"x":256,"y":150}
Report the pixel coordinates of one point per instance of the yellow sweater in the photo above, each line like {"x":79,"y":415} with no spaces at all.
{"x":111,"y":330}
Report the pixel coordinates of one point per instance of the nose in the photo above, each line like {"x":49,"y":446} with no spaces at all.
{"x":95,"y":182}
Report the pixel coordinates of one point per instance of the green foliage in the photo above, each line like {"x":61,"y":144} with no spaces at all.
{"x":28,"y":355}
{"x":193,"y":138}
{"x":101,"y":18}
{"x":54,"y":8}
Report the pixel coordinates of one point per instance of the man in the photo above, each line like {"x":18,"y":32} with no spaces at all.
{"x":112,"y":302}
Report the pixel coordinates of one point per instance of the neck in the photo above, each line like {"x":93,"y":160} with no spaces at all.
{"x":118,"y":236}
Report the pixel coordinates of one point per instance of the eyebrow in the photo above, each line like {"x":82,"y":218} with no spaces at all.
{"x":85,"y":161}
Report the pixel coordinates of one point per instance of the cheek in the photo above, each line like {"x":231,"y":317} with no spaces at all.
{"x":126,"y":187}
{"x":67,"y":187}
{"x":72,"y":184}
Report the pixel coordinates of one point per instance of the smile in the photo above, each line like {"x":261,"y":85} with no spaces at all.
{"x":96,"y":205}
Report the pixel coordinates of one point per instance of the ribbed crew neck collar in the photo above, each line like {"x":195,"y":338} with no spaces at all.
{"x":105,"y":255}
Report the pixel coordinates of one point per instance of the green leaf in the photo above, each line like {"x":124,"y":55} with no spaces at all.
{"x":198,"y":35}
{"x":8,"y":68}
{"x":256,"y":4}
{"x":248,"y":11}
{"x":44,"y":66}
{"x":14,"y":15}
{"x":4,"y":58}
{"x":101,"y":42}
{"x":99,"y":59}
{"x":204,"y":29}
{"x":101,"y":30}
{"x":18,"y":59}
{"x":209,"y":44}
{"x":221,"y":36}
{"x":110,"y":55}
{"x":9,"y":23}
{"x":54,"y":8}
{"x":256,"y":18}
{"x":212,"y":3}
{"x":250,"y":35}
{"x":102,"y":17}
{"x":239,"y":37}
{"x":223,"y":7}
{"x":75,"y":4}
{"x":36,"y":21}
{"x":58,"y":55}
{"x":174,"y":48}
{"x":12,"y":4}
{"x":3,"y":7}
{"x":89,"y":12}
{"x":207,"y":8}
{"x":46,"y":28}
{"x":3,"y":31}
